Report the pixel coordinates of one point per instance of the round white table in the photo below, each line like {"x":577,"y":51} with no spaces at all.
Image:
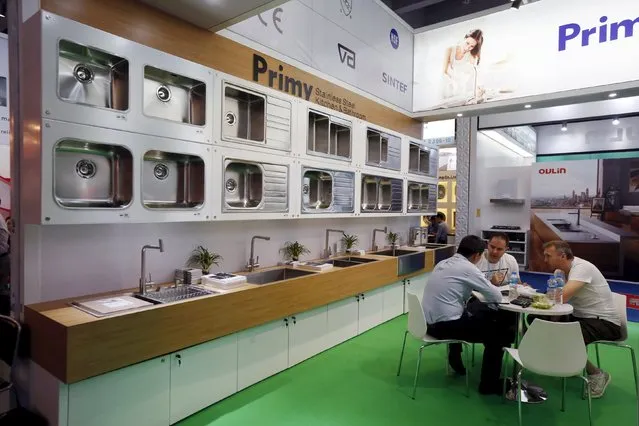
{"x":556,"y":310}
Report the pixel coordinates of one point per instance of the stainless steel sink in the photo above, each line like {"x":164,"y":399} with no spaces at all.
{"x":421,"y":196}
{"x":419,"y":159}
{"x":274,"y":275}
{"x":92,"y":175}
{"x":383,"y":150}
{"x":92,"y":77}
{"x":243,"y":183}
{"x":174,"y":97}
{"x":381,"y":194}
{"x":328,"y":135}
{"x":318,"y":132}
{"x":172,"y":181}
{"x":408,"y":261}
{"x":346,"y":262}
{"x":174,"y":294}
{"x":244,"y":114}
{"x":317,"y":190}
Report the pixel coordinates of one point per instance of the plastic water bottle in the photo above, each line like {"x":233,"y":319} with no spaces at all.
{"x":552,"y":290}
{"x":560,"y":281}
{"x":512,"y":286}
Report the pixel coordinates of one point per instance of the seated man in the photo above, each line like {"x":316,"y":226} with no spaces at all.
{"x":449,"y":287}
{"x":496,"y":259}
{"x":588,"y":292}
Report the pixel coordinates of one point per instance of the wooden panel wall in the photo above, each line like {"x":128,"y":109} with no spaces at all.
{"x":143,"y":24}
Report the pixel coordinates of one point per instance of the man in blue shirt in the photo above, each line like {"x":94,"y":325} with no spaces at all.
{"x":449,"y":287}
{"x":442,"y":229}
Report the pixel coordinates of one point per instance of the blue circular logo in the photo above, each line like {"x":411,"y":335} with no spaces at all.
{"x":394,"y":38}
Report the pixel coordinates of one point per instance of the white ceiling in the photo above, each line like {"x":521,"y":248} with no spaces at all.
{"x":214,"y":15}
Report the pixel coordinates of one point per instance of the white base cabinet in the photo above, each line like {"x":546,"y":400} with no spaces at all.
{"x":261,"y":352}
{"x":135,"y":395}
{"x":203,"y":375}
{"x":415,"y":285}
{"x":165,"y":390}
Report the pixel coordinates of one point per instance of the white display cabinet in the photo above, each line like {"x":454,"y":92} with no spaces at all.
{"x":91,"y":77}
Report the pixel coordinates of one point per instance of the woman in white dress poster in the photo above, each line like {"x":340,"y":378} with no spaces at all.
{"x":460,"y":67}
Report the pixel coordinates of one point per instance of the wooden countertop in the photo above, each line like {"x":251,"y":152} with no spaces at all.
{"x":73,"y":345}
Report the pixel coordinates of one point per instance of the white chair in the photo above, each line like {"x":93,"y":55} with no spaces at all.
{"x":620,"y":307}
{"x":552,"y":349}
{"x":418,"y":328}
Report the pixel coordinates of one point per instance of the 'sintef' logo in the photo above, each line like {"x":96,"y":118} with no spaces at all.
{"x":346,"y":55}
{"x":557,"y":171}
{"x":394,"y":38}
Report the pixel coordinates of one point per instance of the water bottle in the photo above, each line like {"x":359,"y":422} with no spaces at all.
{"x":560,"y":281}
{"x":552,"y":290}
{"x":512,"y":286}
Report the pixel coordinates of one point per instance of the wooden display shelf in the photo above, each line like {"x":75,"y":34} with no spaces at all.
{"x":73,"y":345}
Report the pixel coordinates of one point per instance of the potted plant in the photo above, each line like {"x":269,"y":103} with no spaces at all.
{"x":293,"y":250}
{"x":349,"y":241}
{"x":203,"y":258}
{"x":393,"y":239}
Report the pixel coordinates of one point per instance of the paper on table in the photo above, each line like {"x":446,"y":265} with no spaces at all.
{"x":116,"y":303}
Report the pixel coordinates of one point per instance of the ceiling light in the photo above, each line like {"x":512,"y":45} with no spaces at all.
{"x":460,"y":114}
{"x":564,"y":127}
{"x":527,"y":106}
{"x":612,"y":95}
{"x":615,"y":122}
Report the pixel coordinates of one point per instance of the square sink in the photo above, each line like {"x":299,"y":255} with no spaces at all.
{"x":318,"y":132}
{"x":92,"y":175}
{"x":244,"y":115}
{"x":171,"y":180}
{"x":345,"y":262}
{"x":395,"y":253}
{"x":408,"y":261}
{"x":243,"y":184}
{"x":174,"y":97}
{"x":275,"y":275}
{"x":317,"y":190}
{"x":92,"y":77}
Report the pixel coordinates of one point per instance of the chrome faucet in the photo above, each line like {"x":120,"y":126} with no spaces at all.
{"x":327,"y":249}
{"x":579,"y":207}
{"x":253,"y":262}
{"x":414,"y":232}
{"x":143,"y":281}
{"x":375,"y":231}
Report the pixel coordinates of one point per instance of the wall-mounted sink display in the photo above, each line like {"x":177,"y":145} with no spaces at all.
{"x":328,"y":136}
{"x":383,"y":150}
{"x":423,"y":159}
{"x":251,"y":117}
{"x":252,"y":186}
{"x":92,"y":77}
{"x":92,"y":175}
{"x":422,"y":197}
{"x":327,"y":191}
{"x":172,"y":181}
{"x":381,"y":194}
{"x":174,"y":97}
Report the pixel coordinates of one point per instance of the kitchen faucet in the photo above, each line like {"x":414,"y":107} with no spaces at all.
{"x":255,"y":263}
{"x":375,"y":231}
{"x":143,"y":281}
{"x":327,"y":250}
{"x":579,"y":207}
{"x":414,"y":232}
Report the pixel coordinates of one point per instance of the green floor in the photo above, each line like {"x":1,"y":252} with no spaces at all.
{"x":356,"y":384}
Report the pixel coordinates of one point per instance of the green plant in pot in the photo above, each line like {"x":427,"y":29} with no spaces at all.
{"x":203,"y":258}
{"x":293,"y":250}
{"x":349,"y":241}
{"x":393,"y":239}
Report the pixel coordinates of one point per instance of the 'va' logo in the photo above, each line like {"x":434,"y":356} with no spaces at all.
{"x":346,"y":55}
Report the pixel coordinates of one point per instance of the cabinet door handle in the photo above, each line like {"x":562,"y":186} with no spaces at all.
{"x":294,"y":320}
{"x":286,"y":321}
{"x":363,"y":296}
{"x":179,"y":359}
{"x":357,"y":297}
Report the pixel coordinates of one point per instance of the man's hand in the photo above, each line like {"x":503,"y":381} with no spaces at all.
{"x":497,"y":278}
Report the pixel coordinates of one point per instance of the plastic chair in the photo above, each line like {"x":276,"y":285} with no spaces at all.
{"x":620,"y":306}
{"x":418,"y":328}
{"x":9,"y":338}
{"x":552,"y":349}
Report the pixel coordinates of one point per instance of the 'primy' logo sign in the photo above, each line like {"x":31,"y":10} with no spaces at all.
{"x":280,"y":81}
{"x":602,"y":34}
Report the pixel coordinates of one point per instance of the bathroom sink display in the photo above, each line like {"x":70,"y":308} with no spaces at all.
{"x":171,"y":180}
{"x":92,"y":175}
{"x":267,"y":277}
{"x":174,"y":97}
{"x":92,"y":77}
